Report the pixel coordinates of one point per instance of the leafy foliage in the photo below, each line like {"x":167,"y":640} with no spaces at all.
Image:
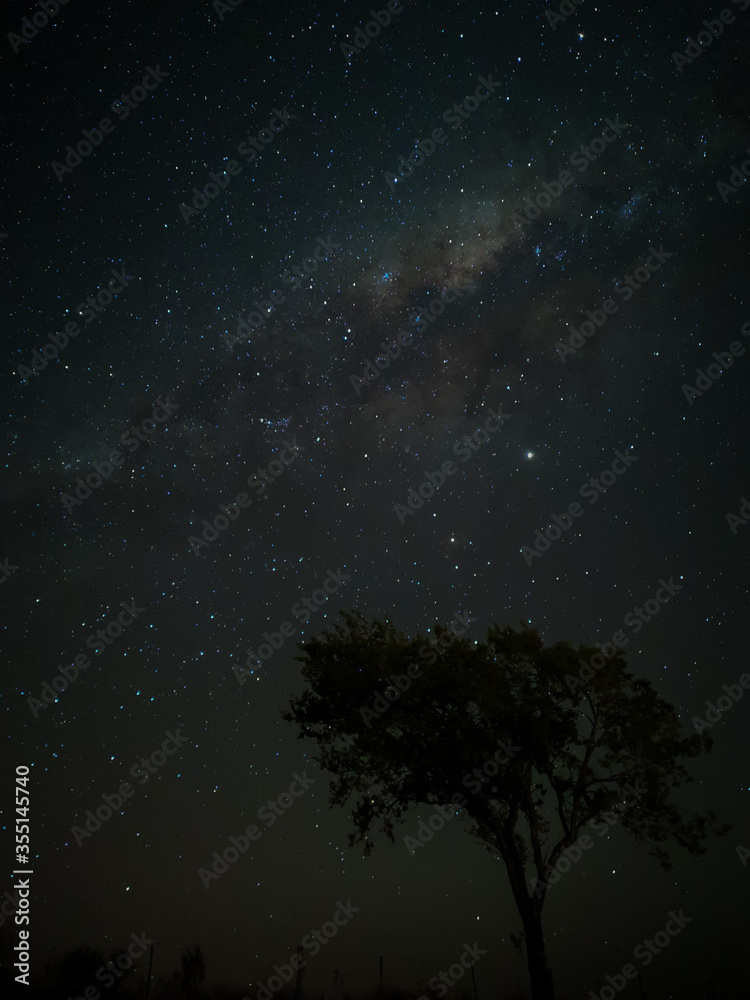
{"x":582,"y":747}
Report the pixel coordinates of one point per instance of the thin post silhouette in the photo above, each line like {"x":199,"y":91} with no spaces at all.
{"x":298,"y":980}
{"x":150,"y":966}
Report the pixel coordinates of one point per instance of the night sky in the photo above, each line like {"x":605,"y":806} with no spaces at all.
{"x":513,"y":96}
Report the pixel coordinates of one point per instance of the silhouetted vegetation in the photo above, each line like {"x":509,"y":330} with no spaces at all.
{"x":576,"y":730}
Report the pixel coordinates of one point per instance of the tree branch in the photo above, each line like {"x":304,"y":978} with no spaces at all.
{"x":580,"y":787}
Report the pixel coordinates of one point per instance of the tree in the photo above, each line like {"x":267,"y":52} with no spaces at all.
{"x":75,"y":970}
{"x":186,"y":982}
{"x":495,"y":731}
{"x":192,"y":974}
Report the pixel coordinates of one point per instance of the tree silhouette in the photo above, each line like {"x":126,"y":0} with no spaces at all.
{"x":186,"y":981}
{"x":570,"y":749}
{"x":192,"y":974}
{"x":75,"y":970}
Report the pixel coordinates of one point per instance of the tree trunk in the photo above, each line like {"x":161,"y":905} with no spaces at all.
{"x":539,"y":972}
{"x":529,"y":909}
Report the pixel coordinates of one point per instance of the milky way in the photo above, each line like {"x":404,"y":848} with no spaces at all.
{"x":513,"y":261}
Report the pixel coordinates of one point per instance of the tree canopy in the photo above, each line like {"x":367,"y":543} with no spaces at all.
{"x":570,"y":734}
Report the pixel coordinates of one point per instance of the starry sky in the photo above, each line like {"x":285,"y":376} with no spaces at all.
{"x":516,"y":274}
